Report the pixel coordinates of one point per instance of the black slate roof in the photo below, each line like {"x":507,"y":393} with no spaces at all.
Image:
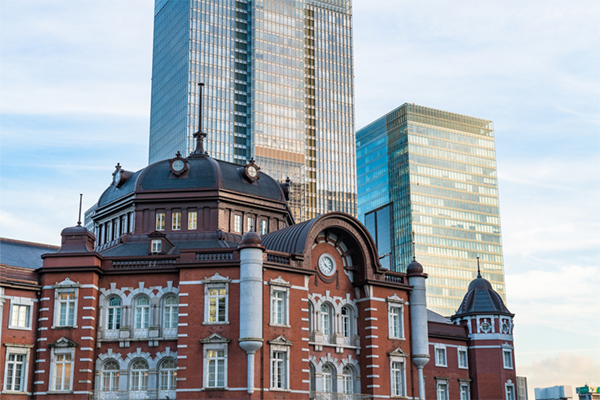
{"x":482,"y":299}
{"x":17,"y":253}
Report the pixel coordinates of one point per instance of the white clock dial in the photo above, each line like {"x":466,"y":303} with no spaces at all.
{"x":252,"y":172}
{"x":117,"y":177}
{"x":178,"y":165}
{"x":327,"y":264}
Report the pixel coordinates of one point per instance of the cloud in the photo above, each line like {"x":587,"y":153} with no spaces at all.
{"x":562,"y":369}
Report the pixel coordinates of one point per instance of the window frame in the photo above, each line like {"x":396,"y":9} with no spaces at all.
{"x":170,"y":311}
{"x":442,"y":383}
{"x":144,"y":317}
{"x":507,"y":352}
{"x":139,"y":383}
{"x":440,"y":349}
{"x":332,"y":378}
{"x":237,"y":223}
{"x":212,"y":285}
{"x":510,"y":387}
{"x":251,"y":223}
{"x":23,"y":351}
{"x":207,"y":365}
{"x":176,"y":221}
{"x":462,"y":350}
{"x":160,"y":221}
{"x":113,"y":308}
{"x":348,"y":379}
{"x":112,"y":375}
{"x":263,"y":226}
{"x":279,"y":287}
{"x":168,"y":374}
{"x":71,"y":314}
{"x":21,"y":302}
{"x":56,"y":352}
{"x":395,"y":318}
{"x":192,"y":220}
{"x":464,"y":388}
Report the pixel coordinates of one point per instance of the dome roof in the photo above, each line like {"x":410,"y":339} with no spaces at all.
{"x":414,"y":268}
{"x":482,"y":299}
{"x":203,"y":173}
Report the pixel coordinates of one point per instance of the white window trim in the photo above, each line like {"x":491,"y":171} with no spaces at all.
{"x":66,"y":286}
{"x":192,"y":227}
{"x":463,"y":384}
{"x":156,"y":246}
{"x":56,"y":351}
{"x":437,"y":388}
{"x":437,"y":347}
{"x":17,"y":349}
{"x":403,"y":390}
{"x":395,"y":302}
{"x":286,"y":383}
{"x":214,"y":346}
{"x":281,"y":286}
{"x":108,"y":308}
{"x":514,"y":392}
{"x":211,"y":282}
{"x":21,"y":301}
{"x":458,"y":351}
{"x":161,"y":217}
{"x":506,"y":350}
{"x":176,"y":220}
{"x":238,"y":223}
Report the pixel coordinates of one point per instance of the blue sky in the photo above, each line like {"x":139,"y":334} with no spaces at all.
{"x":75,"y":100}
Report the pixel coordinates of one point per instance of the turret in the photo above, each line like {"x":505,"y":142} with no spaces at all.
{"x":418,"y":312}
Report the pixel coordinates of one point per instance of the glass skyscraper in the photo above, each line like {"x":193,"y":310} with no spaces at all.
{"x":279,"y":88}
{"x":429,"y":176}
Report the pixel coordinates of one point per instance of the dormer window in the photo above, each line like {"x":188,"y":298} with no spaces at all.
{"x":156,"y":246}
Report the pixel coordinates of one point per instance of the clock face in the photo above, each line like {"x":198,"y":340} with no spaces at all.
{"x":178,"y":165}
{"x":117,"y":177}
{"x":327,"y":264}
{"x":252,"y":172}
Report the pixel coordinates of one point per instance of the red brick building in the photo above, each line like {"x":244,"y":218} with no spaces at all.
{"x":196,"y":283}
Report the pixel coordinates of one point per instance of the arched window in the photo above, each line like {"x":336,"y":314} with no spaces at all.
{"x":348,"y":379}
{"x":168,"y":374}
{"x":142,"y":312}
{"x":311,"y":320}
{"x":110,"y":376}
{"x":311,"y":377}
{"x":328,"y":376}
{"x":139,"y":375}
{"x":170,"y":311}
{"x":326,"y":319}
{"x":113,"y":316}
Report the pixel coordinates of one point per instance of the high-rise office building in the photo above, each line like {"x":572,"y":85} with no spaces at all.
{"x":279,"y":88}
{"x":428,"y":177}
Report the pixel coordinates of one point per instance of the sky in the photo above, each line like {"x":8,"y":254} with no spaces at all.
{"x":75,"y":100}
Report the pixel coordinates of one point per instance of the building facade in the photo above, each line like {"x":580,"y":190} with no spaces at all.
{"x":427,"y":187}
{"x":195,"y":284}
{"x":279,"y":88}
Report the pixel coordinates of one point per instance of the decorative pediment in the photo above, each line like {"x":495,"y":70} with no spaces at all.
{"x":63,"y":342}
{"x":395,"y":299}
{"x":67,"y":283}
{"x":157,"y":235}
{"x":280,"y":341}
{"x":216,"y":278}
{"x":214,"y":338}
{"x":279,"y":282}
{"x":398,"y":352}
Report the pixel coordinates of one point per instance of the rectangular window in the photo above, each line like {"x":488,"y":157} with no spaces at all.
{"x":15,"y":370}
{"x":215,"y":376}
{"x":507,"y":357}
{"x":464,"y":391}
{"x":176,"y":221}
{"x":278,"y":370}
{"x":156,"y":246}
{"x":217,"y":303}
{"x":442,"y":390}
{"x":237,"y":223}
{"x":251,"y":224}
{"x":66,"y":302}
{"x":395,"y":321}
{"x":62,"y":372}
{"x":397,"y":372}
{"x":440,"y":356}
{"x":278,"y":307}
{"x":192,"y":220}
{"x":263,"y":227}
{"x":510,"y":392}
{"x":20,"y":316}
{"x":160,"y":221}
{"x":462,"y":358}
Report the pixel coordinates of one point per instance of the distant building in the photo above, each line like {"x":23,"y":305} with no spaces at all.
{"x":522,"y":388}
{"x":196,"y":284}
{"x":279,"y":87}
{"x":429,"y":176}
{"x":588,"y":393}
{"x":563,"y":392}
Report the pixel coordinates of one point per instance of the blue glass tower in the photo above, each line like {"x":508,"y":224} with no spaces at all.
{"x":429,"y":176}
{"x":279,"y":88}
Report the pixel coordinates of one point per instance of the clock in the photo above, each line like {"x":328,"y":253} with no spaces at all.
{"x":178,"y":165}
{"x":252,"y":172}
{"x":326,"y":264}
{"x":117,"y":177}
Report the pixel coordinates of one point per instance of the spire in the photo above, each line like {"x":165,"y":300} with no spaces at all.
{"x":199,"y":152}
{"x":478,"y":270}
{"x":80,"y":199}
{"x":413,"y":247}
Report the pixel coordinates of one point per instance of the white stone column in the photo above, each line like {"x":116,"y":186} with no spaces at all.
{"x":418,"y":323}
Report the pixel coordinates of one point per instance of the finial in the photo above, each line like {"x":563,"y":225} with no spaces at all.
{"x":200,"y":135}
{"x":80,"y":199}
{"x":478,"y":270}
{"x":287,"y":180}
{"x":178,"y":154}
